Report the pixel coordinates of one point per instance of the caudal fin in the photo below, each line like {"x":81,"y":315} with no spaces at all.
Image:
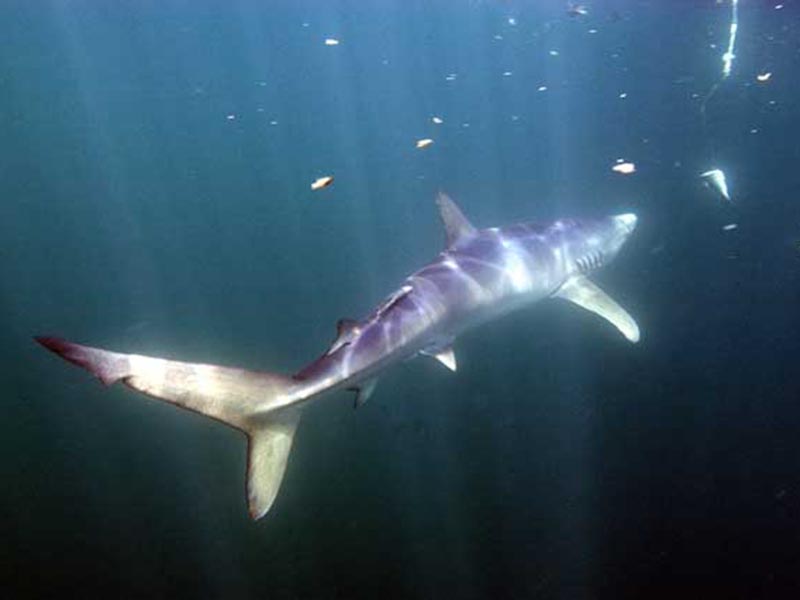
{"x":254,"y":402}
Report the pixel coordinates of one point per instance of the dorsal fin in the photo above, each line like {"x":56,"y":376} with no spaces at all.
{"x":344,"y":326}
{"x":456,"y":225}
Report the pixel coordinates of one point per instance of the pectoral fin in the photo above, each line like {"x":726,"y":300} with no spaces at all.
{"x":584,"y":293}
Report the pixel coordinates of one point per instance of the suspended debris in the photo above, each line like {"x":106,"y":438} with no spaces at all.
{"x":763,"y":77}
{"x":716,"y":178}
{"x":424,"y":143}
{"x":437,"y":120}
{"x":730,"y":227}
{"x":624,"y":168}
{"x":321,"y":182}
{"x":331,"y":42}
{"x":727,"y":58}
{"x":577,"y":10}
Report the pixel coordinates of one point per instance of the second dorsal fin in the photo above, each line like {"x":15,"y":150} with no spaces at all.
{"x":456,"y":225}
{"x":345,"y":326}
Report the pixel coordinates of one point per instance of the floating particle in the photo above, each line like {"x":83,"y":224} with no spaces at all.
{"x":451,"y":77}
{"x":730,"y":227}
{"x":424,"y":143}
{"x":498,"y":37}
{"x":715,"y":178}
{"x":261,"y":83}
{"x":331,"y":42}
{"x":778,"y":6}
{"x":541,"y":88}
{"x":507,"y":73}
{"x":512,"y":21}
{"x":624,"y":168}
{"x":763,"y":77}
{"x":553,"y":53}
{"x":273,"y":123}
{"x":321,"y":182}
{"x":623,"y":95}
{"x":230,"y":117}
{"x":515,"y":117}
{"x":260,"y":109}
{"x":305,"y":24}
{"x":593,"y":31}
{"x":465,"y":125}
{"x":437,"y":120}
{"x":577,"y":10}
{"x":728,"y":56}
{"x":754,"y":130}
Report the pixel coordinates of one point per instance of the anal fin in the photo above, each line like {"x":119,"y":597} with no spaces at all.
{"x":364,"y":391}
{"x":584,"y":293}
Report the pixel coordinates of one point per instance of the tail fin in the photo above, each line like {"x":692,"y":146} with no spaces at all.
{"x":254,"y":402}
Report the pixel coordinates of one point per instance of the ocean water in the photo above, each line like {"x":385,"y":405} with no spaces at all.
{"x":155,"y":164}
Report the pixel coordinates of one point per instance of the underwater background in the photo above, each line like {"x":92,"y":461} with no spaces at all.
{"x":155,"y":170}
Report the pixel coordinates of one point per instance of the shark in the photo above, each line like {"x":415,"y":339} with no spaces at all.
{"x":481,"y":274}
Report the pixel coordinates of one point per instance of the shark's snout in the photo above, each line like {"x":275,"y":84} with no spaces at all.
{"x":626,"y":222}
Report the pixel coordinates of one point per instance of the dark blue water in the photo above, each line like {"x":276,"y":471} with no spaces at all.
{"x":155,"y":163}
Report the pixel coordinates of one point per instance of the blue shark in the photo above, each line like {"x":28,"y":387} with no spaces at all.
{"x":481,"y":275}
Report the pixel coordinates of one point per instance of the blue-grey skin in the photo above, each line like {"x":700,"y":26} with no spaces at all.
{"x":481,"y":275}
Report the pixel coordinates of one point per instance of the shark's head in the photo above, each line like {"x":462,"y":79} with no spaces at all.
{"x":597,"y":242}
